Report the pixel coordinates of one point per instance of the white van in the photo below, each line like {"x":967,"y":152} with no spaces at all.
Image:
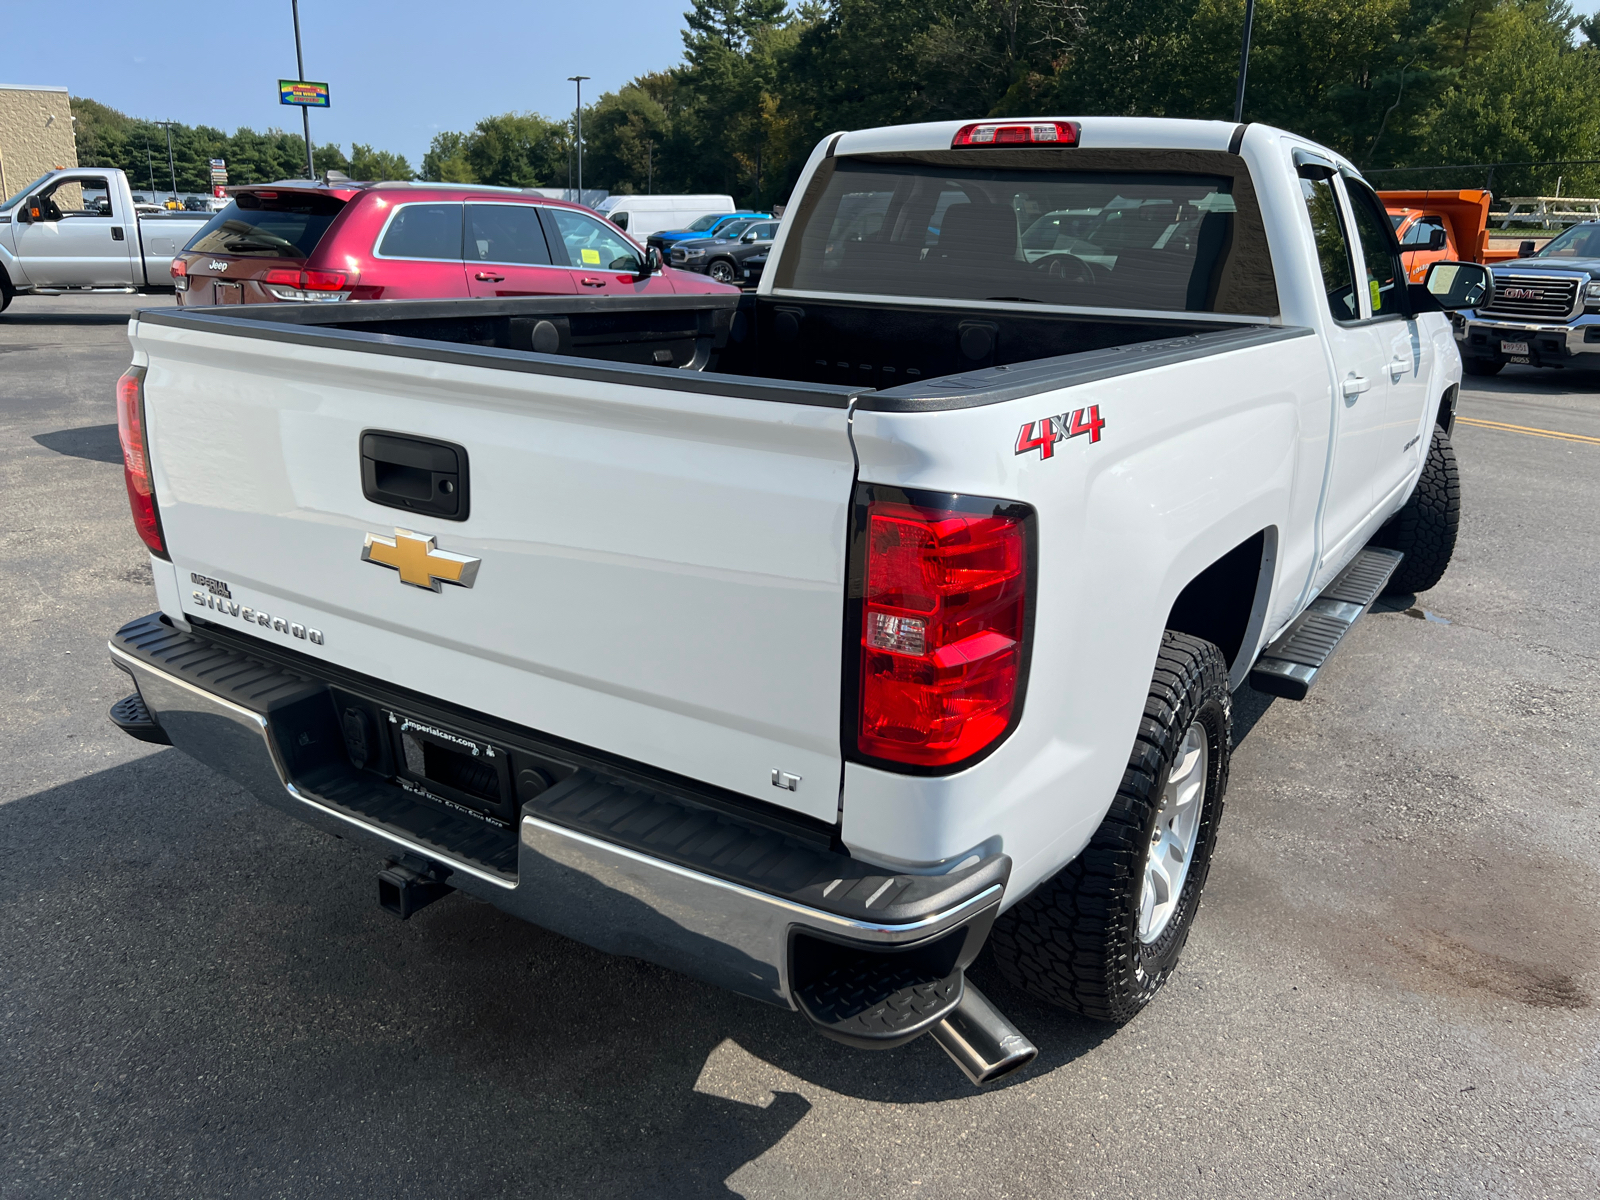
{"x":641,"y":216}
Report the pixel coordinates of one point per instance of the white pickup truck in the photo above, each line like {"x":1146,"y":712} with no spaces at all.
{"x":78,"y":231}
{"x":806,"y":641}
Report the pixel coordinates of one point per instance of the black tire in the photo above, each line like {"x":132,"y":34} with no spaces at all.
{"x":721,"y":270}
{"x":1481,"y":366}
{"x":5,"y":291}
{"x":1075,"y":941}
{"x":1425,"y":529}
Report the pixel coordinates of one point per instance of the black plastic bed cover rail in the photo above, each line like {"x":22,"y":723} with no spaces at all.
{"x":666,"y":817}
{"x":301,"y":324}
{"x":994,"y":385}
{"x":318,"y":325}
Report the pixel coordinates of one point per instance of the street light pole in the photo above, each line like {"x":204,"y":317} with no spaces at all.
{"x":172,"y":164}
{"x":1244,"y":61}
{"x":578,"y":79}
{"x":305,"y":111}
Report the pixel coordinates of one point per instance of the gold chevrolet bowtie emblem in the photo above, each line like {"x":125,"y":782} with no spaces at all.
{"x":418,"y":562}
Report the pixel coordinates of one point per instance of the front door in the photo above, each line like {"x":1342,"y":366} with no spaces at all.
{"x":507,"y":254}
{"x":1359,"y":348}
{"x":601,"y":261}
{"x":78,"y":240}
{"x":1408,"y":357}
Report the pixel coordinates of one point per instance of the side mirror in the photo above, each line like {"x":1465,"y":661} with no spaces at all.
{"x":1436,"y":239}
{"x":1525,"y":248}
{"x":33,"y":209}
{"x":1457,"y":285}
{"x":652,"y":263}
{"x":748,"y":237}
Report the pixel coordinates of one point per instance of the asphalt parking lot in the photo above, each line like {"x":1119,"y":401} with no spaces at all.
{"x":1390,"y":990}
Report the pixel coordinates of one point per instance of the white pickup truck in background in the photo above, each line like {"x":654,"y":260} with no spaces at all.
{"x":806,"y":641}
{"x":78,"y":231}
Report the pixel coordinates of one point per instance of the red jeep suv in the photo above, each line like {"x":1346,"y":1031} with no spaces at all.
{"x":407,"y":241}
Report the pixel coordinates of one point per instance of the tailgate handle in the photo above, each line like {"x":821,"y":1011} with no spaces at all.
{"x":420,"y":475}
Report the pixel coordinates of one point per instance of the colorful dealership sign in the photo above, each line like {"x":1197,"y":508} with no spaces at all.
{"x":295,"y":91}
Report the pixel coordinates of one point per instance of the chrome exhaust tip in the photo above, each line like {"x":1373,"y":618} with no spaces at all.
{"x":982,"y":1042}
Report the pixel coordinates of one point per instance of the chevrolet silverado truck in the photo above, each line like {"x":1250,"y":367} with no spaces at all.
{"x":808,"y":641}
{"x":1544,"y":310}
{"x":78,"y":231}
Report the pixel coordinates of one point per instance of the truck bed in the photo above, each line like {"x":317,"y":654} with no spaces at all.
{"x":909,"y":356}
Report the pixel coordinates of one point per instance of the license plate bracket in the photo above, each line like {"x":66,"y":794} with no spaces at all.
{"x":1513,"y":347}
{"x":461,"y":772}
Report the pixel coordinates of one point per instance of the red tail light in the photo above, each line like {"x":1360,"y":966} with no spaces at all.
{"x":136,"y":459}
{"x":323,"y":281}
{"x":1022,"y":133}
{"x":309,"y":285}
{"x":943,"y":627}
{"x":180,"y":275}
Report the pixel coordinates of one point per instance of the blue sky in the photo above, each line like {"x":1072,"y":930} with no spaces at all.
{"x":398,"y":72}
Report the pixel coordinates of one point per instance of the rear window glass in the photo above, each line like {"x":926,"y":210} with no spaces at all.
{"x":286,"y":226}
{"x":1156,"y":240}
{"x":505,"y":233}
{"x":423,"y":231}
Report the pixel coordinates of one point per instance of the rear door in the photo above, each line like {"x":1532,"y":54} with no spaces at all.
{"x":507,"y":254}
{"x":419,"y":254}
{"x":661,"y":570}
{"x":600,"y":260}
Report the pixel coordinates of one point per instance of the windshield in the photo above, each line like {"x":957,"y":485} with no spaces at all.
{"x":1581,"y":241}
{"x":27,"y":191}
{"x":286,"y":225}
{"x":1165,"y":241}
{"x":1397,"y":219}
{"x":734,"y":228}
{"x":704,"y":223}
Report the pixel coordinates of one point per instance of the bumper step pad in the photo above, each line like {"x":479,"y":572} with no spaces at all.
{"x":1291,"y":664}
{"x":131,"y":716}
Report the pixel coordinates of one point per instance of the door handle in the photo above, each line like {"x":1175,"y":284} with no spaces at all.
{"x":591,"y":281}
{"x":1355,"y":385}
{"x":485,"y":277}
{"x":116,"y":233}
{"x":1397,"y":369}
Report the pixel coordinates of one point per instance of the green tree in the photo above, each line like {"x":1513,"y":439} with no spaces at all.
{"x":374,"y":165}
{"x":446,"y":160}
{"x":518,"y":150}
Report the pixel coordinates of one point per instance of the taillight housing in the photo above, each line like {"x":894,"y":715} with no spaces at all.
{"x":939,"y":626}
{"x":1015,"y":133}
{"x":136,"y":460}
{"x":309,"y":285}
{"x":180,"y":275}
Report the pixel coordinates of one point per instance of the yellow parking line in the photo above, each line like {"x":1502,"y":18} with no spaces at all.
{"x":1549,"y":433}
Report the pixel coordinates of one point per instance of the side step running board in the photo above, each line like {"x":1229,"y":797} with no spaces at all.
{"x":1289,"y":666}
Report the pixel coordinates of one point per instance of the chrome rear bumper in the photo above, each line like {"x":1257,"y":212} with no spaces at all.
{"x":613,"y":897}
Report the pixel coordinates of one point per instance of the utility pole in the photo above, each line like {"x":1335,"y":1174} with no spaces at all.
{"x":578,"y":79}
{"x":649,"y":169}
{"x":149,"y":165}
{"x":305,"y":111}
{"x":1244,"y":61}
{"x":172,"y":164}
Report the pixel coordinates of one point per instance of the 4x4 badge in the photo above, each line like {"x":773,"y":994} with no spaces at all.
{"x":1071,"y":424}
{"x":419,"y":564}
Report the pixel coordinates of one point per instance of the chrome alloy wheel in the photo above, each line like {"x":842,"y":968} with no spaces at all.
{"x":1166,"y":865}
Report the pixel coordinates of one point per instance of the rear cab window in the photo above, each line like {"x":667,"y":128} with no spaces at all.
{"x":268,"y":225}
{"x":1105,"y":229}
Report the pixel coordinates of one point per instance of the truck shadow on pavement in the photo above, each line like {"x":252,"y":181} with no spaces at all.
{"x":98,"y":443}
{"x":207,"y":991}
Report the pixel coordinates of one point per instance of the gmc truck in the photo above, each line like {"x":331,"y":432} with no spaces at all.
{"x":1544,"y":309}
{"x":809,"y":641}
{"x":78,"y":231}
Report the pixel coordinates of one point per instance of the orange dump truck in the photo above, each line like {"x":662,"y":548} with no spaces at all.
{"x":1435,"y":225}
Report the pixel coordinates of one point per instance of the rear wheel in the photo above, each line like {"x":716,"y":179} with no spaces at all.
{"x":722,"y":271}
{"x":1481,"y":366}
{"x":1425,"y":529}
{"x":5,"y":291}
{"x":1103,"y":935}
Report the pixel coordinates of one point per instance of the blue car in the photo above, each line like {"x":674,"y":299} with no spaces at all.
{"x":705,"y":227}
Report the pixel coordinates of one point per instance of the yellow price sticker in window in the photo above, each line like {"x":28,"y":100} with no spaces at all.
{"x":591,"y":258}
{"x":1372,"y":286}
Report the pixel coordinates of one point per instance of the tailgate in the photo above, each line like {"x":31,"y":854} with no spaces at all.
{"x":661,"y":567}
